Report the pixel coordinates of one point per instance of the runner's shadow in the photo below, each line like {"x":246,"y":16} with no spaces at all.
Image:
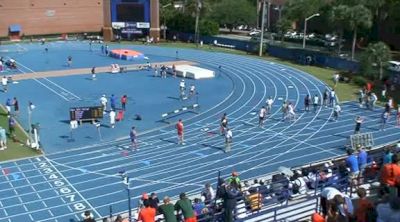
{"x":213,"y":147}
{"x":169,"y":141}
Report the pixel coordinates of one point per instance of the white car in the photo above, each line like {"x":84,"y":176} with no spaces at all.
{"x":394,"y":66}
{"x":254,"y":32}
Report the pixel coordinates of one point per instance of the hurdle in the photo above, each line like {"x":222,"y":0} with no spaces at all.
{"x":184,"y":109}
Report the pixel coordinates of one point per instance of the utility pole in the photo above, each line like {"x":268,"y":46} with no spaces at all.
{"x":262,"y":29}
{"x":196,"y":33}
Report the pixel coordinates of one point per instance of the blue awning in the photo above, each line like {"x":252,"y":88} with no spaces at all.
{"x":15,"y":28}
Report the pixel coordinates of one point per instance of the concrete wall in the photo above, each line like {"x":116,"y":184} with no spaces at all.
{"x":51,"y":16}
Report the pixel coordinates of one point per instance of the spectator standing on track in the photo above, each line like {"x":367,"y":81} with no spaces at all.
{"x":325,"y":97}
{"x":307,"y":103}
{"x":361,"y":96}
{"x":336,"y":111}
{"x":179,"y":129}
{"x":174,"y":70}
{"x":103,"y":102}
{"x":93,"y":71}
{"x":4,"y":83}
{"x":8,"y":106}
{"x":102,"y":49}
{"x":192,"y":90}
{"x":315,"y":102}
{"x":69,"y":61}
{"x":124,"y":100}
{"x":168,"y":210}
{"x":358,"y":121}
{"x":182,"y":87}
{"x":269,"y":103}
{"x":147,"y":214}
{"x":384,"y":119}
{"x":155,"y":71}
{"x":332,"y":98}
{"x":106,"y":49}
{"x":185,"y":205}
{"x":113,"y":101}
{"x":223,"y":124}
{"x":133,"y":137}
{"x":112,"y":115}
{"x":373,"y":99}
{"x":261,"y":116}
{"x":228,"y":140}
{"x":16,"y":106}
{"x":163,"y":72}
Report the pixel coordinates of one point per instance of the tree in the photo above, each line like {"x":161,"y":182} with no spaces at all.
{"x":283,"y":25}
{"x":379,"y":54}
{"x":359,"y":17}
{"x":338,"y":18}
{"x":234,"y":12}
{"x":301,"y":9}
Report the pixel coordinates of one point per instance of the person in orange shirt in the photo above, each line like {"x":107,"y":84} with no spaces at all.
{"x":390,"y":172}
{"x":147,"y":214}
{"x":363,"y":205}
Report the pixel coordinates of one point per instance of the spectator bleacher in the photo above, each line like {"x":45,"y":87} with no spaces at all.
{"x":296,"y":195}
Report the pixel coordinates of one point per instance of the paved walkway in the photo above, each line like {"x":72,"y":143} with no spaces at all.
{"x":99,"y":70}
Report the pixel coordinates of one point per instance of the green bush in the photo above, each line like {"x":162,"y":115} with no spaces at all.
{"x":360,"y":81}
{"x":208,"y":28}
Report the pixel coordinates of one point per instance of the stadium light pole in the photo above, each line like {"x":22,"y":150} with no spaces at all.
{"x":165,"y":19}
{"x":262,"y":30}
{"x":305,"y":28}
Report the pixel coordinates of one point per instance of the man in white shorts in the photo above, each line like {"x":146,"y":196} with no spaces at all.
{"x":292,"y":114}
{"x":261,"y":116}
{"x":4,"y":82}
{"x":112,"y":118}
{"x":269,"y":103}
{"x":103,"y":102}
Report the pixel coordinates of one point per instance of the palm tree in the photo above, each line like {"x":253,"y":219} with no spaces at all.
{"x":359,"y":17}
{"x":379,"y":53}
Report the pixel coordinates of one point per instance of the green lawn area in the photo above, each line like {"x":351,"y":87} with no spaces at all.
{"x":345,"y":92}
{"x":15,"y":150}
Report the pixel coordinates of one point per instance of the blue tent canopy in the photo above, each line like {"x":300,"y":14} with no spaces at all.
{"x":15,"y":28}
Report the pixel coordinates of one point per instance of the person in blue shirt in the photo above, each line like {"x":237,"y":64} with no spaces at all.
{"x":362,"y":160}
{"x":113,"y":101}
{"x":352,"y":164}
{"x":387,"y":158}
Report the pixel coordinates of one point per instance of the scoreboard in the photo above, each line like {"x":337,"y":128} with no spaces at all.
{"x":86,"y":113}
